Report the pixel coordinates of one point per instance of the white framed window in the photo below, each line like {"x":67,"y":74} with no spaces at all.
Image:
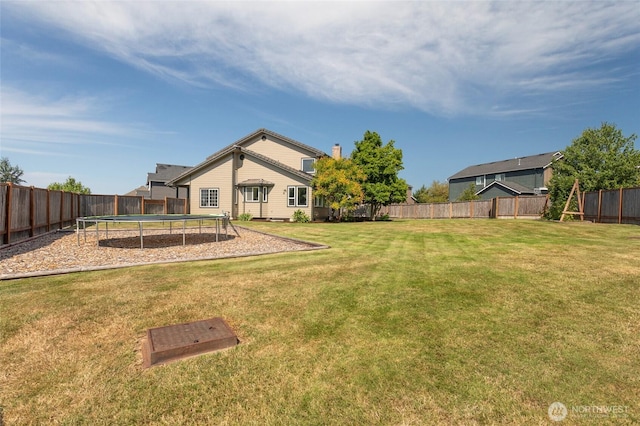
{"x":252,"y":194}
{"x":319,"y":201}
{"x":480,"y":180}
{"x":499,"y":177}
{"x":307,"y":165}
{"x":209,"y":197}
{"x":297,"y":196}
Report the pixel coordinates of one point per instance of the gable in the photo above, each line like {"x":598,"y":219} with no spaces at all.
{"x":282,"y":152}
{"x":510,"y":188}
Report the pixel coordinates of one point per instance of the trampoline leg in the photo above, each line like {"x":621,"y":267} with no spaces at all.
{"x":141,"y":241}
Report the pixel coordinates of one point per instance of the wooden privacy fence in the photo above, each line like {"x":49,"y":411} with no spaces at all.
{"x":26,"y":212}
{"x":613,"y":206}
{"x":499,"y":207}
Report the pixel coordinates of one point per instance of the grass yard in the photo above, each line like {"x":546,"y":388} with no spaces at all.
{"x":405,"y":322}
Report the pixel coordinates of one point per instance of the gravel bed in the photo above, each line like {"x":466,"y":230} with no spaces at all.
{"x":62,"y":252}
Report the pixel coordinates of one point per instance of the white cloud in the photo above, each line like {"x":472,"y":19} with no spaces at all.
{"x":46,"y":125}
{"x":441,"y":57}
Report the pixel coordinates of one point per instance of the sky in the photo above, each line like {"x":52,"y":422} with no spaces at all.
{"x":103,"y":91}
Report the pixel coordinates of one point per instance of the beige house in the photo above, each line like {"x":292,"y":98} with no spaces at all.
{"x":265,"y":174}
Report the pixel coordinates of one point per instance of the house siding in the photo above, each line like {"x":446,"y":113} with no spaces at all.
{"x":457,"y":187}
{"x":276,"y":205}
{"x":533,"y":178}
{"x":497,"y":191}
{"x":219,"y":176}
{"x":275,"y":160}
{"x":281,"y":151}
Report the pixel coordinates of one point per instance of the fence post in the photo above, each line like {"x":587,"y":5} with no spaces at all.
{"x":7,"y":235}
{"x":497,"y":207}
{"x":116,"y":206}
{"x":32,"y":213}
{"x":516,"y":206}
{"x":599,"y":204}
{"x":620,"y":206}
{"x":450,"y":210}
{"x":61,"y":210}
{"x":141,"y":204}
{"x":471,"y":209}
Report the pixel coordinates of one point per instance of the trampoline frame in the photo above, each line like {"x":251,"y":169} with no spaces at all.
{"x":222,"y":221}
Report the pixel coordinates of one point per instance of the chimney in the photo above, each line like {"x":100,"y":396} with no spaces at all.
{"x":336,"y":152}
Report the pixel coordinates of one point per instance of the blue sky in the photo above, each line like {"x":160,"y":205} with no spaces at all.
{"x":102,"y":91}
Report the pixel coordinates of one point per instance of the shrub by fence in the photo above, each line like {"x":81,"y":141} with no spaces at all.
{"x":499,"y":207}
{"x":26,"y":212}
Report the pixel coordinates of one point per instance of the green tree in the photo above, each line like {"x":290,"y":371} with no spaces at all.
{"x":71,"y":185}
{"x":469,"y":194}
{"x":339,"y":182}
{"x":380,"y":164}
{"x":9,"y":173}
{"x":438,"y":192}
{"x":601,"y":158}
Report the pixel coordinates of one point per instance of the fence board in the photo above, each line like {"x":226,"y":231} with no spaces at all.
{"x":532,"y":206}
{"x":154,"y":206}
{"x":482,"y":209}
{"x":610,"y":204}
{"x":27,"y":211}
{"x":590,"y":206}
{"x":631,"y":205}
{"x":129,"y":204}
{"x":527,"y":206}
{"x":4,"y":188}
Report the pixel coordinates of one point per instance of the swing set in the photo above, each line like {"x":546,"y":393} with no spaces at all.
{"x":580,"y":197}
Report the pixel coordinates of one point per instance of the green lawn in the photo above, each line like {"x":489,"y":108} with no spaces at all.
{"x":405,"y":322}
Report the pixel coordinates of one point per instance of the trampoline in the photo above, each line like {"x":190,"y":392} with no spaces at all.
{"x":221,"y":222}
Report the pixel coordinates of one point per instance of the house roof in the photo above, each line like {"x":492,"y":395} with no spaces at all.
{"x":139,"y":191}
{"x":540,"y":161}
{"x":265,"y":132}
{"x":512,"y":186}
{"x":165,"y":172}
{"x":237,"y":146}
{"x":256,"y":182}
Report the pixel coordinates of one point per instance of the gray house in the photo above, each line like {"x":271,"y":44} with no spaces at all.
{"x":156,"y":188}
{"x":517,"y":176}
{"x":164,"y":173}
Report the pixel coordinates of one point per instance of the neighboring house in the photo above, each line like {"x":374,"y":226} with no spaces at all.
{"x":141,"y":191}
{"x":156,"y":182}
{"x":156,"y":188}
{"x":265,"y":174}
{"x":517,"y":176}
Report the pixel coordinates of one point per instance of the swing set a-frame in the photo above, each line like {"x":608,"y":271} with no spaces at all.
{"x":574,"y":190}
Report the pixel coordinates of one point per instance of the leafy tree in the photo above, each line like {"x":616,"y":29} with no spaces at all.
{"x":600,"y":159}
{"x":339,"y":182}
{"x":438,"y":192}
{"x":380,"y":164}
{"x":469,"y":194}
{"x":71,"y":185}
{"x":9,"y":173}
